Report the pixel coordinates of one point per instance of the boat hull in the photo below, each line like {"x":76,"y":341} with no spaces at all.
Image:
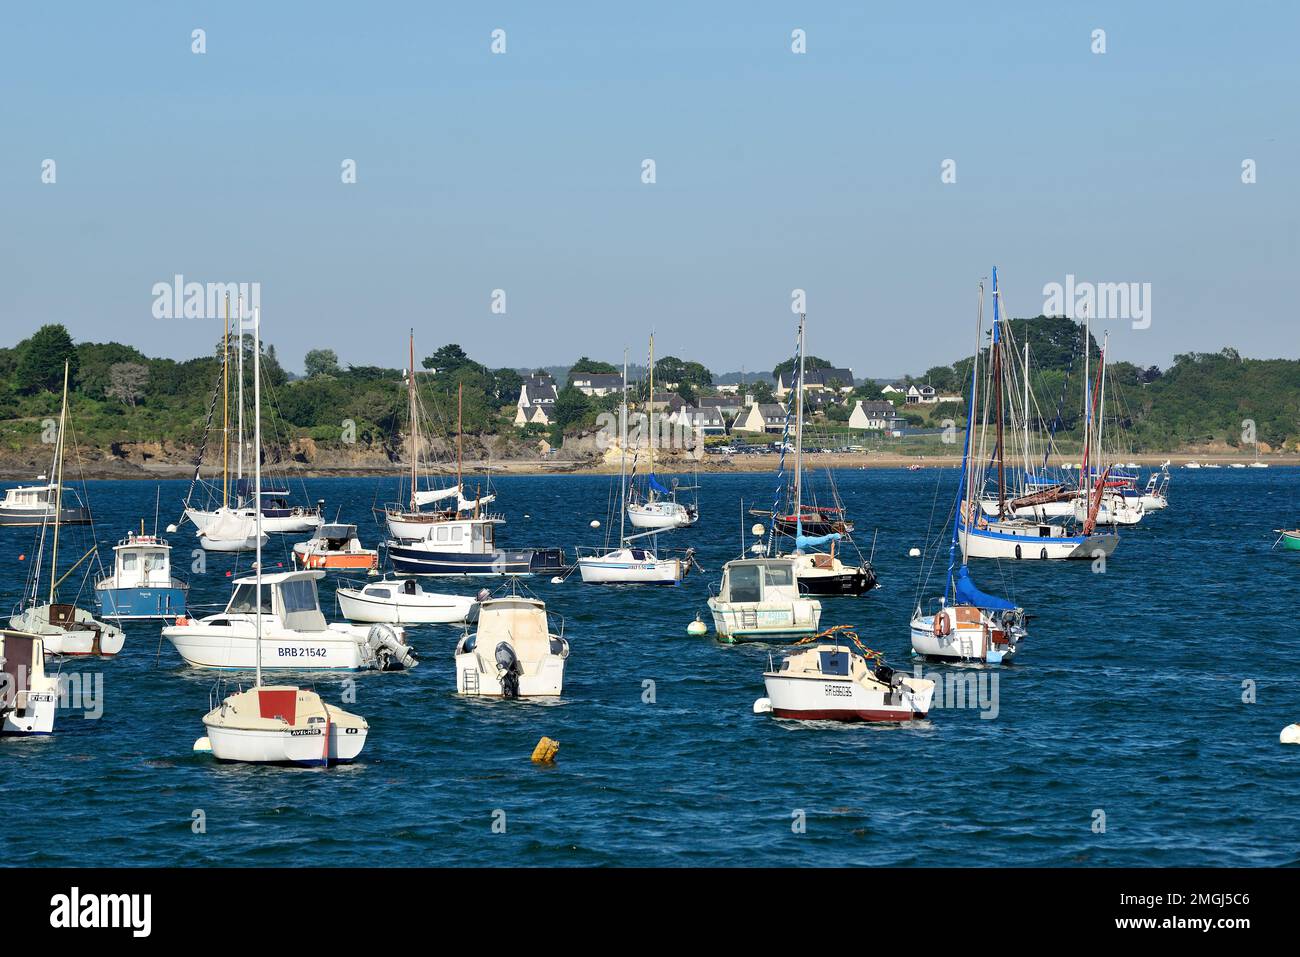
{"x":661,"y":515}
{"x":853,"y":582}
{"x":820,"y":698}
{"x":546,"y":681}
{"x":300,"y":746}
{"x":355,"y":562}
{"x":963,"y":644}
{"x":82,"y":637}
{"x":233,"y":647}
{"x":276,"y":520}
{"x":355,"y":605}
{"x":983,"y":543}
{"x":737,"y":622}
{"x":410,"y":559}
{"x":663,"y":571}
{"x":140,"y":603}
{"x":19,"y":517}
{"x":1291,"y":541}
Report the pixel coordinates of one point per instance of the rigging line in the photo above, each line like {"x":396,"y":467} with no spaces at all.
{"x":922,"y":579}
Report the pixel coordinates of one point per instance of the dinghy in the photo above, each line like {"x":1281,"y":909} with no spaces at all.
{"x":839,"y":679}
{"x":28,"y":696}
{"x":401,"y":602}
{"x":512,"y":653}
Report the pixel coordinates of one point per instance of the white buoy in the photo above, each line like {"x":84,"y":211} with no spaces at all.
{"x":913,"y":553}
{"x":763,"y":706}
{"x":1290,"y":734}
{"x":595,"y":523}
{"x":557,"y":580}
{"x":203,"y":744}
{"x":758,"y":528}
{"x":697,"y":627}
{"x":526,"y":515}
{"x":171,"y":529}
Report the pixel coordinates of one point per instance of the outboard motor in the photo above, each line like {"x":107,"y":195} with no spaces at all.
{"x":508,"y":670}
{"x":387,"y":650}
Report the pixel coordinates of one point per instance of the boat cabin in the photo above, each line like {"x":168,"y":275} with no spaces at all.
{"x":756,"y":580}
{"x":517,"y":620}
{"x":469,"y":536}
{"x":142,"y":561}
{"x":289,"y":596}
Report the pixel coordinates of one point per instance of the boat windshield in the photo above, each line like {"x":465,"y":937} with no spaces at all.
{"x":782,"y":574}
{"x":242,"y":601}
{"x":299,"y":595}
{"x":745,"y":583}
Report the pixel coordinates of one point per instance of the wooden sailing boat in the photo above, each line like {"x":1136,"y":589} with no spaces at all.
{"x":657,"y":507}
{"x":64,"y":628}
{"x":1004,"y":535}
{"x":277,"y":724}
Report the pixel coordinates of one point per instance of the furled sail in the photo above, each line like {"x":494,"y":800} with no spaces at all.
{"x":435,"y":494}
{"x":466,"y":505}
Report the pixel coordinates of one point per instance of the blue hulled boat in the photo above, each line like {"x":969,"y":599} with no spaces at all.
{"x":141,"y":584}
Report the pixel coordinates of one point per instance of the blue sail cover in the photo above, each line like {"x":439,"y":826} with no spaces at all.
{"x":968,"y":593}
{"x":654,"y":484}
{"x":805,"y":541}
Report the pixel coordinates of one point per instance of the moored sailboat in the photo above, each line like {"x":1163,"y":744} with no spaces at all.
{"x":277,"y":724}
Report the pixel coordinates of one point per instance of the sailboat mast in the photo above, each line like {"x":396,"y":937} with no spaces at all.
{"x":622,"y":458}
{"x":964,"y":492}
{"x":1087,"y":379}
{"x":460,"y":421}
{"x":411,"y":428}
{"x":798,"y":442}
{"x":58,"y":486}
{"x":257,"y":477}
{"x":997,"y":393}
{"x":650,"y":405}
{"x":1026,"y":408}
{"x":225,"y":410}
{"x":239,"y":402}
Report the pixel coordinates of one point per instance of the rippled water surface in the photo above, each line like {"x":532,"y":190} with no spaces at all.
{"x":1126,"y":702}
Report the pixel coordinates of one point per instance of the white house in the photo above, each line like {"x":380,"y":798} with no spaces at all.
{"x":709,"y":420}
{"x":875,"y":416}
{"x":536,"y":400}
{"x":817,"y":380}
{"x":596,"y":383}
{"x":768,"y":417}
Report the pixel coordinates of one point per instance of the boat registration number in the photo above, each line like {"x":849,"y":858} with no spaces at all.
{"x":837,"y":690}
{"x":294,"y":651}
{"x":300,"y":732}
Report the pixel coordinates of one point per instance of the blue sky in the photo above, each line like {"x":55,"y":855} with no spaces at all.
{"x":774,"y":171}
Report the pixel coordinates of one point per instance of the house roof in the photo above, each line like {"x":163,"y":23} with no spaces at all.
{"x":825,"y":377}
{"x":597,"y":380}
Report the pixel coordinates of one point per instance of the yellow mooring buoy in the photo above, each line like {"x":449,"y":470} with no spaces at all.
{"x":544,"y":753}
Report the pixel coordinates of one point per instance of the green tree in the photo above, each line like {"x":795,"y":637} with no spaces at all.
{"x":586,"y":364}
{"x":319,"y":362}
{"x":787,"y":367}
{"x":41,"y":359}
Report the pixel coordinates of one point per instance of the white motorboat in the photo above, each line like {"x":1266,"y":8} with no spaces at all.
{"x":277,"y":724}
{"x":283,"y":724}
{"x":401,"y":602}
{"x":335,"y":547}
{"x":1192,"y":465}
{"x":29,"y":697}
{"x":512,"y":653}
{"x":35,"y":505}
{"x":292,"y":635}
{"x":232,"y":531}
{"x":759,"y":600}
{"x":831,"y":681}
{"x":64,"y":629}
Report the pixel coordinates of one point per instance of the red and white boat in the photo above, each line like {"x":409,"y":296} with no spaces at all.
{"x":829,"y":681}
{"x":335,"y":547}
